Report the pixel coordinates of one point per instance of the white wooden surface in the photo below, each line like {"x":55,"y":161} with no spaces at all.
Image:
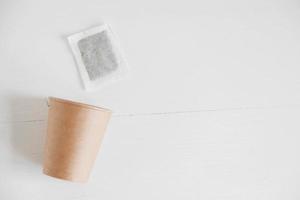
{"x":211,"y":109}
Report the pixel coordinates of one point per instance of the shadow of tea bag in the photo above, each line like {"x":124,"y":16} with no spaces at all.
{"x":98,"y":57}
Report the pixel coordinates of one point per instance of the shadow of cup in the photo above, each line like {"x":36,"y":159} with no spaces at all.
{"x":28,"y":126}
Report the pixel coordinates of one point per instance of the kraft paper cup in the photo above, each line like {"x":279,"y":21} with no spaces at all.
{"x":74,"y":135}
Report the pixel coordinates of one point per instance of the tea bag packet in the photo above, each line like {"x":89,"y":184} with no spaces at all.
{"x":98,"y":57}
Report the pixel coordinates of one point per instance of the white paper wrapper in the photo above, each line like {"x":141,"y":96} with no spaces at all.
{"x":98,"y":57}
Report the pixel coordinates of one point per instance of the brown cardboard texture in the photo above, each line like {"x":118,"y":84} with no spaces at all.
{"x":74,"y":135}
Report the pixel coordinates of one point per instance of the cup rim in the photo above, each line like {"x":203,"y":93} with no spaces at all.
{"x":78,"y":104}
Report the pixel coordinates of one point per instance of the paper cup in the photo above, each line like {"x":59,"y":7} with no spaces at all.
{"x":74,"y":135}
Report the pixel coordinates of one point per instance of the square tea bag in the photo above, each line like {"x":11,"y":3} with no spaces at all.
{"x":98,"y":57}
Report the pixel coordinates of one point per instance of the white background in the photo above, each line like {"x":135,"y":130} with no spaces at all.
{"x":211,"y":109}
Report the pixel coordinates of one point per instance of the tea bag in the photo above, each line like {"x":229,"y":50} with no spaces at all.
{"x":98,"y":57}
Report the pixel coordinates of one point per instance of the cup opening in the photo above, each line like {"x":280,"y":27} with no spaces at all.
{"x":82,"y":105}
